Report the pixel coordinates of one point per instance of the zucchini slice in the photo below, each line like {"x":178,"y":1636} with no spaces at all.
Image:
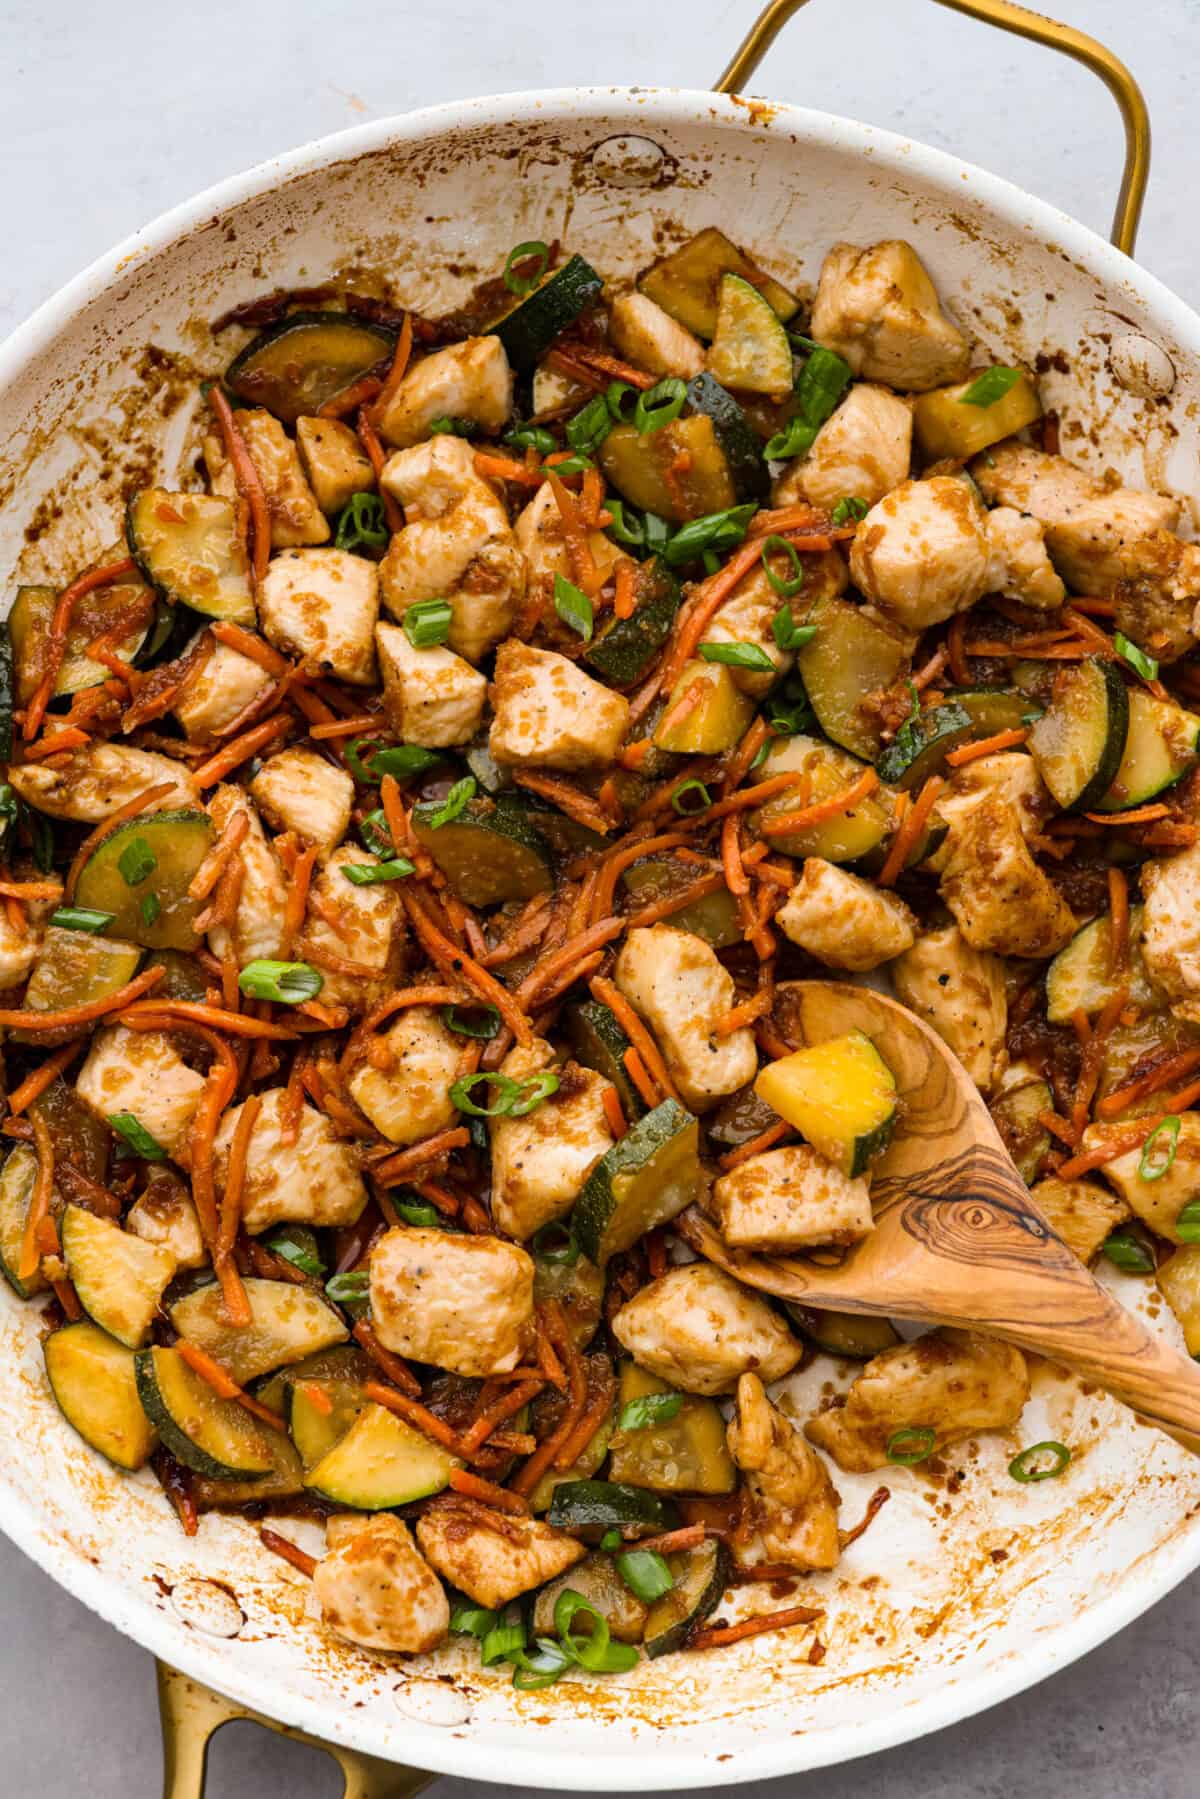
{"x":840,"y":1096}
{"x":92,"y":1378}
{"x":282,"y":1480}
{"x":1081,"y":976}
{"x":714,"y":918}
{"x":995,"y":709}
{"x":643,"y":1181}
{"x":287,"y":1323}
{"x":176,"y":843}
{"x":622,"y":652}
{"x":188,"y":546}
{"x":679,"y":472}
{"x":844,"y":838}
{"x":380,"y":1462}
{"x":687,"y":284}
{"x":742,"y":446}
{"x":945,"y":426}
{"x":717,"y":724}
{"x":578,"y":1286}
{"x":850,"y":657}
{"x":292,"y":368}
{"x":1161,"y":744}
{"x":98,"y":614}
{"x":528,"y":331}
{"x":1015,"y":1116}
{"x":585,"y":1465}
{"x":74,"y":967}
{"x":600,"y":1043}
{"x":683,"y":1454}
{"x":920,"y":747}
{"x":701,"y":1577}
{"x":854,"y":1336}
{"x":215,"y":1437}
{"x":489,"y":853}
{"x":120,"y":1278}
{"x":1179,"y":1283}
{"x":600,"y":1505}
{"x":490,"y":777}
{"x":318,"y":1424}
{"x":1079,"y":741}
{"x":17,"y":1179}
{"x":750,"y":348}
{"x":600,"y":1584}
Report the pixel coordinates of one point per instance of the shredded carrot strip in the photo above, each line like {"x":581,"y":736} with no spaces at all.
{"x":765,"y":1140}
{"x":472,"y":1486}
{"x":396,"y":373}
{"x":1129,"y":1138}
{"x":572,"y":800}
{"x":289,"y":1551}
{"x":317,"y":1397}
{"x":613,"y":1113}
{"x":19,"y":1019}
{"x":495,"y":467}
{"x":545,"y":1455}
{"x":909,"y":829}
{"x":223,"y":1384}
{"x":674,"y":1542}
{"x":359,"y":393}
{"x":131,"y":809}
{"x":35,"y":1084}
{"x":746,"y":752}
{"x":820,"y":810}
{"x":369,"y":438}
{"x":235,"y":1182}
{"x":213,"y":865}
{"x":297,"y":900}
{"x":438,"y":1196}
{"x":956,"y":652}
{"x":572,"y":1446}
{"x":740,"y":1016}
{"x":638,"y":1035}
{"x":676,"y":902}
{"x":621,"y":858}
{"x":396,"y":1369}
{"x":801,"y":517}
{"x":638,"y":1073}
{"x":246,"y":644}
{"x":746,"y":797}
{"x":56,"y":639}
{"x":413,"y":1412}
{"x":624,"y":600}
{"x":736,"y":878}
{"x":1000,"y":740}
{"x":495,"y":1414}
{"x":609,"y":365}
{"x":1140,"y":815}
{"x":1171,"y":1070}
{"x":70,"y":739}
{"x":236,"y":1024}
{"x":543,"y":973}
{"x":39,"y":1203}
{"x":240,"y":749}
{"x":248,"y":479}
{"x":684,"y":706}
{"x":575,"y":537}
{"x":398,"y":1167}
{"x":720,"y":1635}
{"x":1059,"y":1127}
{"x":31,"y":890}
{"x":463,"y":967}
{"x":1118,"y":919}
{"x":708,"y":599}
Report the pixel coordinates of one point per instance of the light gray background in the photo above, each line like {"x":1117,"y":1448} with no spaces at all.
{"x":110,"y":114}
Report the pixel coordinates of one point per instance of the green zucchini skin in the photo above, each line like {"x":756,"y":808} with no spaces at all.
{"x":921,"y":747}
{"x":528,"y":331}
{"x":600,"y":1043}
{"x":297,"y":387}
{"x":740,"y":443}
{"x":995,"y":709}
{"x":622,"y":652}
{"x":1079,"y":741}
{"x":644,"y":1180}
{"x":181,"y":1443}
{"x":607,"y":1504}
{"x":1160,"y":747}
{"x":489,"y":853}
{"x":701,"y":1577}
{"x":92,"y":1378}
{"x":179,"y":841}
{"x":8,"y":693}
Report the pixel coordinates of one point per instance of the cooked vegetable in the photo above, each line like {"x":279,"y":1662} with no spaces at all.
{"x":1079,"y":741}
{"x":188,"y":546}
{"x":127,"y":603}
{"x":380,"y":1462}
{"x":683,"y":1453}
{"x":586,"y":1464}
{"x":595,"y":1506}
{"x":840,"y":1095}
{"x":528,"y":331}
{"x":293,"y":368}
{"x":687,"y":284}
{"x":994,"y":709}
{"x":750,"y":348}
{"x":215,"y":1437}
{"x":286,"y":1323}
{"x":1179,"y":1282}
{"x":864,"y":827}
{"x":489,"y":852}
{"x":1083,"y":977}
{"x":850,"y":657}
{"x":74,"y":968}
{"x":948,"y":423}
{"x":920,"y":747}
{"x":120,"y":1279}
{"x":679,"y":472}
{"x":92,"y":1377}
{"x":164,"y":852}
{"x":644,"y":1180}
{"x":600,"y":1043}
{"x":737,"y":437}
{"x":716,"y":723}
{"x":856,"y":1336}
{"x":713,"y":918}
{"x":623,"y":649}
{"x":321,"y":1411}
{"x":17,"y":1179}
{"x":1161,"y":743}
{"x":700,"y":1577}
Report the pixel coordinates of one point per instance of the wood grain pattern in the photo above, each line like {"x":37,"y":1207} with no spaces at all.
{"x":958,"y":1239}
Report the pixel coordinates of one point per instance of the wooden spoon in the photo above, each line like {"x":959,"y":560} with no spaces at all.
{"x":957,"y":1238}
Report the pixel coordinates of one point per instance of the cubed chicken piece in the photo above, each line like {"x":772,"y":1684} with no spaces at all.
{"x":697,"y":1329}
{"x":794,"y":1503}
{"x":921,"y":554}
{"x":166,"y":1216}
{"x":1088,"y":523}
{"x":540,"y":539}
{"x":1019,"y":564}
{"x":1158,"y":595}
{"x":651,"y":339}
{"x":334,"y":460}
{"x":1082,"y":1213}
{"x":374,"y":1588}
{"x":843,"y":920}
{"x":295,"y":516}
{"x":549,"y":714}
{"x":861,"y":452}
{"x":959,"y":992}
{"x":218,"y":692}
{"x":143,"y":1073}
{"x":350,"y":929}
{"x":456,"y":545}
{"x":1007,"y":775}
{"x":298,"y":790}
{"x":462,"y":1303}
{"x":790,"y":1199}
{"x":490,"y":1556}
{"x":322,"y":605}
{"x":1159,"y":1200}
{"x":880,"y":311}
{"x":675,"y":981}
{"x":471,"y":380}
{"x":311,"y":1178}
{"x":996,"y":891}
{"x":951,"y":1382}
{"x":257,"y":929}
{"x":20,"y":945}
{"x":411,"y":1099}
{"x":432,"y":697}
{"x":90,"y":784}
{"x":1171,"y":922}
{"x":540,"y":1162}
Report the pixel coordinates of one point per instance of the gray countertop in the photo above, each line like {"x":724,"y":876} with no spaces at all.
{"x":107,"y":118}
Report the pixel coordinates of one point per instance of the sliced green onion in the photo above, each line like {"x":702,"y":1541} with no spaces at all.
{"x":823,"y":381}
{"x":739,"y":655}
{"x":612,"y":1539}
{"x":804,"y":344}
{"x":652,"y":1408}
{"x":454,"y":804}
{"x":418,"y":1212}
{"x":472,"y":1620}
{"x":715,"y":531}
{"x":847,"y":510}
{"x":710,"y":562}
{"x":621,"y":399}
{"x":659,"y":405}
{"x":911,"y":1445}
{"x":297,"y":1255}
{"x":362,"y":520}
{"x":531,"y":1673}
{"x":451,"y":427}
{"x":760,"y":756}
{"x":501,"y":1643}
{"x":1126,"y":1250}
{"x":405,"y":759}
{"x":658,"y":532}
{"x":137,"y":1136}
{"x":287,"y":983}
{"x":1187,"y":1225}
{"x":991,"y":386}
{"x":696,"y":786}
{"x":645,"y":1573}
{"x":627,"y":529}
{"x":506,"y":1088}
{"x":1135,"y":656}
{"x":596,"y":1652}
{"x":574,"y":607}
{"x":789,"y":585}
{"x":375,"y":834}
{"x":472,"y":1021}
{"x":589,"y":427}
{"x":533,"y":1091}
{"x":573,"y":465}
{"x":370,"y":874}
{"x":348,"y":1289}
{"x":427,"y":623}
{"x":149,"y":908}
{"x":532,"y":437}
{"x":1032,"y":1464}
{"x":41,"y":837}
{"x":81,"y":918}
{"x":554,"y":1243}
{"x":525,"y":284}
{"x":787,"y":633}
{"x":1150,"y":1166}
{"x":137,"y":862}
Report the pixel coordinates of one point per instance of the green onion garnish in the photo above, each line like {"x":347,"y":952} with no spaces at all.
{"x":621,"y":399}
{"x":991,"y":386}
{"x":533,"y":1091}
{"x":454,"y":804}
{"x":696,"y":786}
{"x":574,"y":607}
{"x":427,"y":623}
{"x":1127,"y":1251}
{"x":785,"y":586}
{"x":658,"y":532}
{"x":589,"y":427}
{"x":1154,"y":1162}
{"x":1135,"y":656}
{"x":137,"y":1136}
{"x":823,"y":381}
{"x":287,"y":983}
{"x":715,"y":531}
{"x":399,"y":759}
{"x":417,"y":1212}
{"x":651,"y":1408}
{"x":149,"y":908}
{"x":361,"y":521}
{"x":515,"y":1098}
{"x":532,"y":437}
{"x":554,"y":1243}
{"x":137,"y":862}
{"x":525,"y":283}
{"x":787,"y":633}
{"x":596,"y":1652}
{"x":472,"y":1620}
{"x":348,"y":1289}
{"x":710,"y":562}
{"x":612,"y":1539}
{"x":739,"y":655}
{"x":472,"y":1021}
{"x":573,"y":465}
{"x":548,"y":1662}
{"x":375,"y":834}
{"x":848,"y":510}
{"x":1032,"y":1463}
{"x":645,"y":1573}
{"x":41,"y":837}
{"x":80,"y":918}
{"x":501,"y":1642}
{"x":911,"y":1445}
{"x":625,"y":527}
{"x":659,"y":405}
{"x":299,"y":1255}
{"x":1187,"y":1225}
{"x":451,"y":427}
{"x":370,"y":874}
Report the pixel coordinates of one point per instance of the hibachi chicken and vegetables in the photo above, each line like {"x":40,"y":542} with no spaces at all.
{"x":412,"y":828}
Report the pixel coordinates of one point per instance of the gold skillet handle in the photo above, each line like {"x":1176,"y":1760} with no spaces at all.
{"x":191,"y":1715}
{"x":1008,"y":17}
